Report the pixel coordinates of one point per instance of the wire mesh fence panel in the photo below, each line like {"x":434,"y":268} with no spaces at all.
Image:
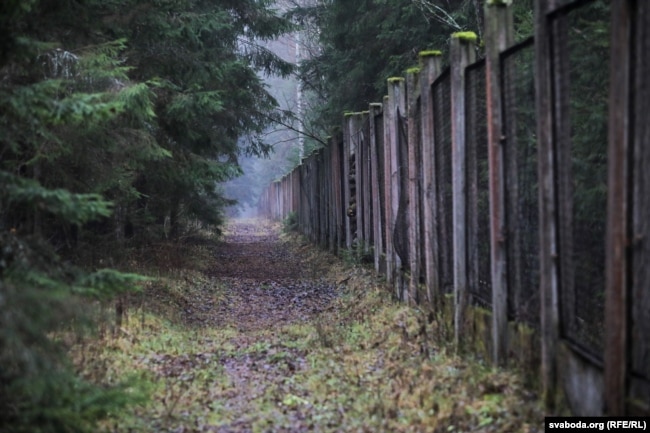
{"x":521,"y":183}
{"x":478,"y":193}
{"x":443,"y":219}
{"x":640,"y":335}
{"x":580,"y":42}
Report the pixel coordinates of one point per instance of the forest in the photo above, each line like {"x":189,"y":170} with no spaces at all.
{"x":125,"y":128}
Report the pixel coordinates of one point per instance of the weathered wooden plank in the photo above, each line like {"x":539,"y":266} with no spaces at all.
{"x":388,"y":228}
{"x":616,"y":289}
{"x":330,"y":194}
{"x":462,"y":54}
{"x":375,"y":110}
{"x":339,"y":196}
{"x":346,"y":178}
{"x":413,"y":144}
{"x":499,"y":36}
{"x":356,"y":178}
{"x":549,"y":269}
{"x":364,"y":142}
{"x":397,"y":96}
{"x":638,"y":393}
{"x":430,"y":63}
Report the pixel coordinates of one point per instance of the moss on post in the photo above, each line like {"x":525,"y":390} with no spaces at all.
{"x":430,"y":53}
{"x":413,"y":70}
{"x":465,"y":36}
{"x":394,"y":80}
{"x":499,"y":2}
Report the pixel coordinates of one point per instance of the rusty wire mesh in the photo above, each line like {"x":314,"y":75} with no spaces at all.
{"x":521,"y":183}
{"x":580,"y":42}
{"x":478,"y":193}
{"x":443,"y":219}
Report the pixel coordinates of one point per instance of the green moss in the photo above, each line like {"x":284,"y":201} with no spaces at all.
{"x":393,"y":80}
{"x":465,"y":36}
{"x":376,"y":104}
{"x":413,"y":70}
{"x":430,"y":53}
{"x":365,"y":112}
{"x":348,"y":113}
{"x":499,"y":2}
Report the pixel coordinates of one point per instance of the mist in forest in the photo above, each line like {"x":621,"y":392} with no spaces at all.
{"x":259,"y":172}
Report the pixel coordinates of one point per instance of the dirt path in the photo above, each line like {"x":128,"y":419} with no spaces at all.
{"x":269,"y":287}
{"x":269,"y":284}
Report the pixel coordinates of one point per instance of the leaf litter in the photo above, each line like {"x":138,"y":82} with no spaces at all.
{"x":271,"y":334}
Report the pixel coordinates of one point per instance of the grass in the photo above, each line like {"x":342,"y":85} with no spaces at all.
{"x":364,"y":364}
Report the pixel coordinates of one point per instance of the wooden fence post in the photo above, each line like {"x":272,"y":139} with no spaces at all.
{"x":338,"y":178}
{"x":375,"y":110}
{"x":430,"y":63}
{"x":326,"y":194}
{"x":462,"y":54}
{"x":346,"y":179}
{"x":638,"y":337}
{"x":499,"y":35}
{"x":414,"y":158}
{"x":357,"y":152}
{"x":397,"y":97}
{"x":549,"y":272}
{"x":388,"y":193}
{"x":331,"y":217}
{"x":364,"y":168}
{"x":295,"y":188}
{"x":616,"y":290}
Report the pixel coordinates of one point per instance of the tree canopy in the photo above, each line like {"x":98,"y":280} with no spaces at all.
{"x":364,"y":43}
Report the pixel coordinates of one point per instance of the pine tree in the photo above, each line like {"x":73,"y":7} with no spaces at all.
{"x":364,"y":43}
{"x":115,"y":115}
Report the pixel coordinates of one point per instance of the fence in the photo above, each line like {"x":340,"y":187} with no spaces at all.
{"x":515,"y":186}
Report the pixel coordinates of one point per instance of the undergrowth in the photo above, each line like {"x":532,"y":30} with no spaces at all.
{"x":290,"y":223}
{"x":364,"y":364}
